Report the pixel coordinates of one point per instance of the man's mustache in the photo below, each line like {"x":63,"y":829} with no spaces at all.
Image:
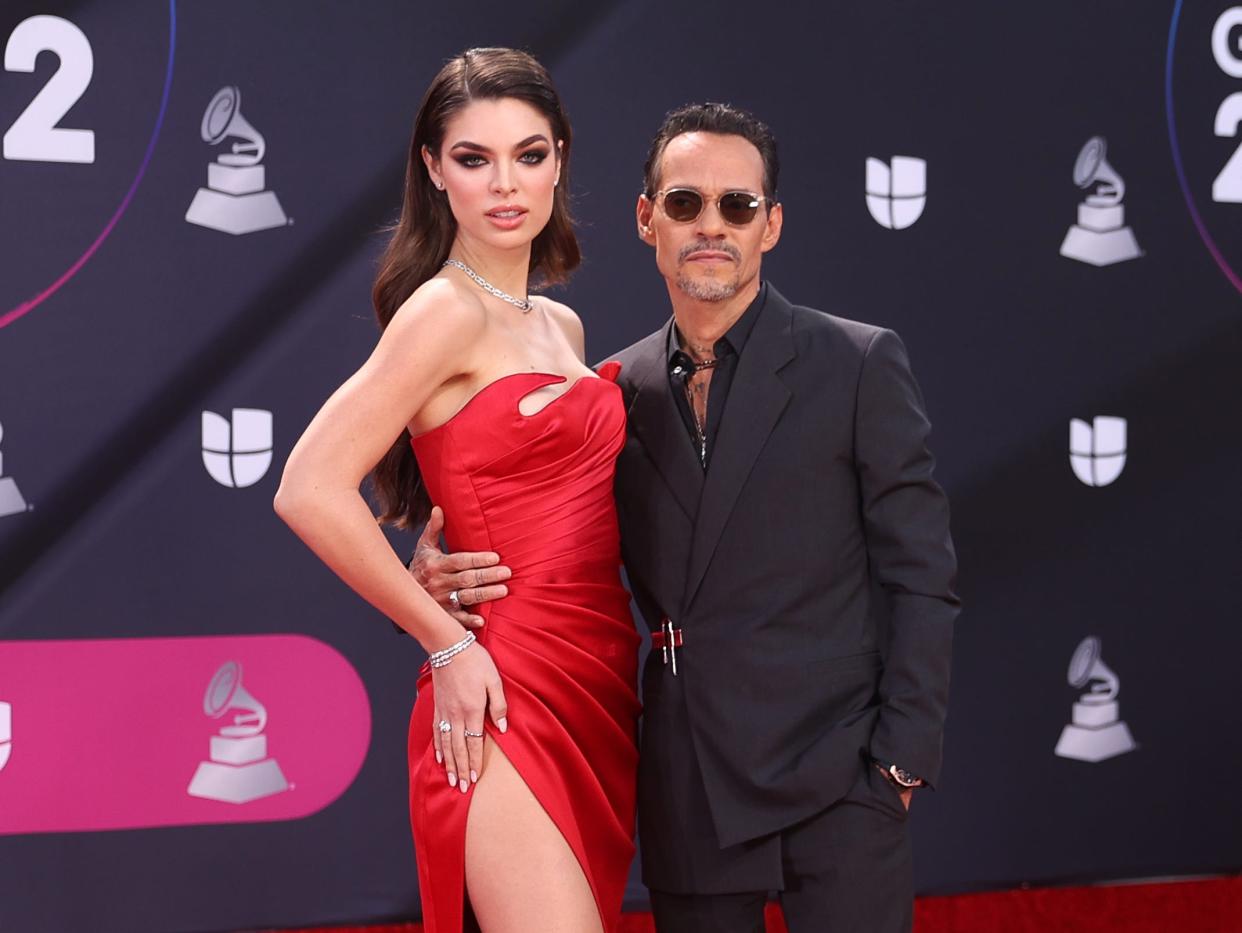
{"x":700,"y":245}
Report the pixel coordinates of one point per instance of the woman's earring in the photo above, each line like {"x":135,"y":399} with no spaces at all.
{"x":439,"y":186}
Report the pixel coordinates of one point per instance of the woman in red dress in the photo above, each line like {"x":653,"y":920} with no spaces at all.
{"x":477,"y":398}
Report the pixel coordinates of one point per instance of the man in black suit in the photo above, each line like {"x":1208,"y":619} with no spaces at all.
{"x":790,"y":553}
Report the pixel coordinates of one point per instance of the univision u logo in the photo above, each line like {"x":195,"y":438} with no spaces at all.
{"x":896,"y":194}
{"x":237,"y":453}
{"x":6,"y":733}
{"x":1097,"y":451}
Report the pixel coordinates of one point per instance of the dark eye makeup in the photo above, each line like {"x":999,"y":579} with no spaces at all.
{"x":474,"y":160}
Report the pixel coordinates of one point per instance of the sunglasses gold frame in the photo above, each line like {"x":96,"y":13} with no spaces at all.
{"x":756,"y":200}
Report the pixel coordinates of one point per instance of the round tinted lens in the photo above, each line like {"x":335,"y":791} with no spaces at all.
{"x":683,"y":205}
{"x":738,"y":208}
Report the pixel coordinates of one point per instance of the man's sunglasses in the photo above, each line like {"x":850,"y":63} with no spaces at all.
{"x":737,"y":208}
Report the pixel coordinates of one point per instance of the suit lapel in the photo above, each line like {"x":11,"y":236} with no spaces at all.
{"x":654,"y":417}
{"x":756,"y":399}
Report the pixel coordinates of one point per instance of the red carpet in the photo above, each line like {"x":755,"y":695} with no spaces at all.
{"x":1213,"y":906}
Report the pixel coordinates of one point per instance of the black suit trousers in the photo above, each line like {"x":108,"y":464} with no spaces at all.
{"x":846,"y":869}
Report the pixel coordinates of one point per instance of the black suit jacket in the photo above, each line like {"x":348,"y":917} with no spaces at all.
{"x":810,"y":568}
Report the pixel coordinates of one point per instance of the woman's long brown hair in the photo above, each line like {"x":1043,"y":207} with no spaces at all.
{"x":423,"y":236}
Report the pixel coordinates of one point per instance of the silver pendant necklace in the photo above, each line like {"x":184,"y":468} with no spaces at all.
{"x":524,"y":303}
{"x":700,"y":390}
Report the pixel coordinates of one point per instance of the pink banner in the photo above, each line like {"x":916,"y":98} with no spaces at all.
{"x":130,"y":733}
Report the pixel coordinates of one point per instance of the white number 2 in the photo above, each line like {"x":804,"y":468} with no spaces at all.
{"x":35,"y":135}
{"x":1227,"y":188}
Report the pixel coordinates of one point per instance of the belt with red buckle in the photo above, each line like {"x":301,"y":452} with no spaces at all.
{"x":667,"y":640}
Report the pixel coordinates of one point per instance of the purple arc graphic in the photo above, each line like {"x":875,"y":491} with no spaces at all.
{"x":1195,"y":216}
{"x":30,"y":304}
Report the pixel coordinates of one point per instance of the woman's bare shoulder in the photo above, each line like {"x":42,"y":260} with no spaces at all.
{"x":561,"y":312}
{"x":440,"y":305}
{"x":432,"y":335}
{"x":568,"y":321}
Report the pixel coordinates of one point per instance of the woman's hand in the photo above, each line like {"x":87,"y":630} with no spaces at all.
{"x":465,"y":689}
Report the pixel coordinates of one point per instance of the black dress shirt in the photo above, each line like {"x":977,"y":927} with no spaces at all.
{"x":727,"y":351}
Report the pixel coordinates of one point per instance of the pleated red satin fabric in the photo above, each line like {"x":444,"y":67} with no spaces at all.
{"x":537,"y":490}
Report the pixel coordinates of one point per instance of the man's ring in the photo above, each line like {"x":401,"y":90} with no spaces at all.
{"x":455,"y":601}
{"x":445,"y":726}
{"x":472,"y":735}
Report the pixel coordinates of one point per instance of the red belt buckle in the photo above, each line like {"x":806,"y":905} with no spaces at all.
{"x":668,"y":640}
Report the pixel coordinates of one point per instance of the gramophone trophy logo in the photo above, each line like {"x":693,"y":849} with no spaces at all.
{"x":1096,"y":731}
{"x":235,"y":200}
{"x":11,"y":501}
{"x":1101,"y":236}
{"x":239,"y":770}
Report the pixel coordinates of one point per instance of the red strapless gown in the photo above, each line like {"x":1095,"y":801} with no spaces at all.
{"x":537,"y":490}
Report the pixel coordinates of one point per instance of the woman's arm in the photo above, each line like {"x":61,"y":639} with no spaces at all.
{"x":428,"y":343}
{"x":424,"y":346}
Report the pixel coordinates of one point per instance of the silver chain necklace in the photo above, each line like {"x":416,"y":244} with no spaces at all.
{"x":524,"y":303}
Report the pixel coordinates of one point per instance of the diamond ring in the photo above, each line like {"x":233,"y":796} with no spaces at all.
{"x":445,"y":726}
{"x":455,"y":601}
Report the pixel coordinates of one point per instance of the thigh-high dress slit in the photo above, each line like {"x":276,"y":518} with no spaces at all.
{"x":538,"y":490}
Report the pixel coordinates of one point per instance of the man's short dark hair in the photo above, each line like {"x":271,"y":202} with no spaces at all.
{"x":713,"y":118}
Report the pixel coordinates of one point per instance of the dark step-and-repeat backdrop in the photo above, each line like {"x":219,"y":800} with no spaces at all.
{"x":202,"y":729}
